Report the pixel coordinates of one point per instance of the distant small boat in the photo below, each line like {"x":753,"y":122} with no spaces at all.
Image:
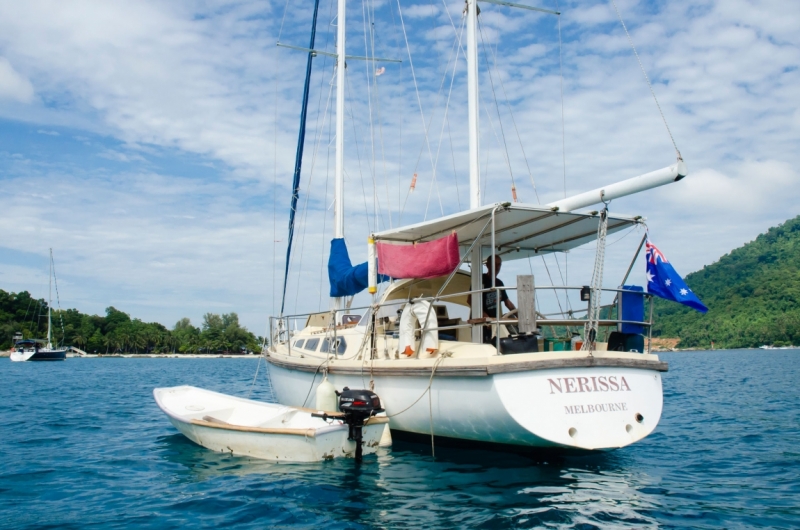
{"x":244,"y":427}
{"x":29,"y":349}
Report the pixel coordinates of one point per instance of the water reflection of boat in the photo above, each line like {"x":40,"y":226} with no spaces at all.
{"x":440,"y":376}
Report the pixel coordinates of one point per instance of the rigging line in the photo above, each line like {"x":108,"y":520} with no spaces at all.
{"x":563,"y":127}
{"x":325,"y":217}
{"x":285,"y":8}
{"x":307,"y":198}
{"x":436,"y":104}
{"x":275,"y":181}
{"x":499,"y":143}
{"x":563,"y":281}
{"x":455,"y":31}
{"x":514,"y":122}
{"x":426,"y":138}
{"x":301,"y":137}
{"x":550,"y":277}
{"x":380,"y":125}
{"x":58,"y":300}
{"x":414,"y":77}
{"x":453,"y":157}
{"x":369,"y":65}
{"x":446,"y":117}
{"x":646,"y":78}
{"x":377,"y":120}
{"x":496,"y":105}
{"x":434,"y":180}
{"x":358,"y":154}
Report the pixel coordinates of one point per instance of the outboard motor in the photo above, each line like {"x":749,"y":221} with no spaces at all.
{"x":357,"y":406}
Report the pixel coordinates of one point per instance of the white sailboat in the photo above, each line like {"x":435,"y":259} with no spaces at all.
{"x":453,"y":386}
{"x":38,"y":350}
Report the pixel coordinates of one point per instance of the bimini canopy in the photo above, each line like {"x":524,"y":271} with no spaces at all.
{"x":520,"y":230}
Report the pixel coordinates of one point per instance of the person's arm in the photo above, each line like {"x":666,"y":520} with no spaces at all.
{"x":509,"y":304}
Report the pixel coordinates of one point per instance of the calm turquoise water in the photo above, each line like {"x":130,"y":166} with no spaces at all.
{"x":83,"y":445}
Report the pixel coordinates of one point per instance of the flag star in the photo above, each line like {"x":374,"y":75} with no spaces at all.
{"x":649,"y":277}
{"x":668,"y":282}
{"x":684,"y":292}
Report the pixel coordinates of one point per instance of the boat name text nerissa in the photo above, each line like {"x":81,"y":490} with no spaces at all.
{"x":602,"y":383}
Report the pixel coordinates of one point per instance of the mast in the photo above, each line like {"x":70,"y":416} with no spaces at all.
{"x":50,"y":302}
{"x":338,"y":193}
{"x":472,"y":103}
{"x":474,"y":167}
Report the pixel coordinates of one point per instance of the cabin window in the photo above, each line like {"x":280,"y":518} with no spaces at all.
{"x":325,"y":346}
{"x":298,"y":343}
{"x":311,"y":344}
{"x":341,"y":345}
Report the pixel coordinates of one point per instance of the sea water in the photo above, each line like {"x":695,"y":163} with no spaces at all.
{"x":83,"y":445}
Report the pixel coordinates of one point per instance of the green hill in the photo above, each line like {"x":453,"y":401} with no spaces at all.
{"x":753,"y":296}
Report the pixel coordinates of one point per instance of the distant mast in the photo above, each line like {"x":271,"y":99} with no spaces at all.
{"x":338,"y":193}
{"x":50,"y":303}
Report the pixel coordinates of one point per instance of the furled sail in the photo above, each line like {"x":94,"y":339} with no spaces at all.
{"x":346,"y":279}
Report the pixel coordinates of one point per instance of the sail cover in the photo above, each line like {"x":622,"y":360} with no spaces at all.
{"x":346,"y":279}
{"x":421,"y":260}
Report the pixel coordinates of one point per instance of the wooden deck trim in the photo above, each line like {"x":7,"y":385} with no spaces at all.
{"x":483,"y":370}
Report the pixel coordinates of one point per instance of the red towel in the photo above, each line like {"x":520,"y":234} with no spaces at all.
{"x":420,"y":260}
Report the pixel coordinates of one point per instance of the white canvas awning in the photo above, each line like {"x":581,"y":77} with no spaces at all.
{"x":520,"y":230}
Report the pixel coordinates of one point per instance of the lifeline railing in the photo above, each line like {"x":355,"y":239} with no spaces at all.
{"x":280,"y":327}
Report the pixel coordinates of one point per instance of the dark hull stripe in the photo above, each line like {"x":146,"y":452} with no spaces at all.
{"x":49,"y":356}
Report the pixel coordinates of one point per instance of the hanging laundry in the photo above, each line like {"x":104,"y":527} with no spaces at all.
{"x":420,"y":260}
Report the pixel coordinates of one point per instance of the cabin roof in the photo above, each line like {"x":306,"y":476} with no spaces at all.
{"x":521,"y":230}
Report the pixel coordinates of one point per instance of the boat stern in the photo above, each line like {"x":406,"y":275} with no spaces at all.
{"x":584,"y":408}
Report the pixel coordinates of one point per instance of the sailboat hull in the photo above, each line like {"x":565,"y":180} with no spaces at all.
{"x":41,"y":355}
{"x":589,"y":408}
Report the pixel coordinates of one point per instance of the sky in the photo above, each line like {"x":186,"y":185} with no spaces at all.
{"x":151,"y":144}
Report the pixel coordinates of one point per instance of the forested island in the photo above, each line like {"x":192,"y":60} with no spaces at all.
{"x":752,"y":293}
{"x":117,"y":332}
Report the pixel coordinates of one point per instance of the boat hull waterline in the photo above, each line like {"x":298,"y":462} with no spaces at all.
{"x":267,"y":431}
{"x":590,"y":408}
{"x":49,"y":355}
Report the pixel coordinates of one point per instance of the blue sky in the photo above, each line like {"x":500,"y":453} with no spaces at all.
{"x":151,"y":144}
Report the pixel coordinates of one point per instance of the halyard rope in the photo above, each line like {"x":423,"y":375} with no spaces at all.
{"x":646,"y":78}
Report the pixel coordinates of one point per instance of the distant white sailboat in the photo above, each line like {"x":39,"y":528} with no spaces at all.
{"x":39,"y":350}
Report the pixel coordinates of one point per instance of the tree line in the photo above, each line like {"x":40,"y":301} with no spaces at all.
{"x":117,"y":332}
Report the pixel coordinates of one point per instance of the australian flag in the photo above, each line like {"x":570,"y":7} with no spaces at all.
{"x":663,"y":281}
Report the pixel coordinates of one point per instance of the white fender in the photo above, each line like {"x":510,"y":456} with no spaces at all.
{"x":422,"y":312}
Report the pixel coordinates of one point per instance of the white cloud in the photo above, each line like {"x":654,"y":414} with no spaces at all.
{"x":13,"y":85}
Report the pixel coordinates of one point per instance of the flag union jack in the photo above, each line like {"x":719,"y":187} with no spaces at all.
{"x":653,"y":254}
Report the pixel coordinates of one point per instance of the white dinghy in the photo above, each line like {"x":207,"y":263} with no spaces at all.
{"x":244,"y":427}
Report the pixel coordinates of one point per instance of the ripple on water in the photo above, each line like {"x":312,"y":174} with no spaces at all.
{"x":98,"y":453}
